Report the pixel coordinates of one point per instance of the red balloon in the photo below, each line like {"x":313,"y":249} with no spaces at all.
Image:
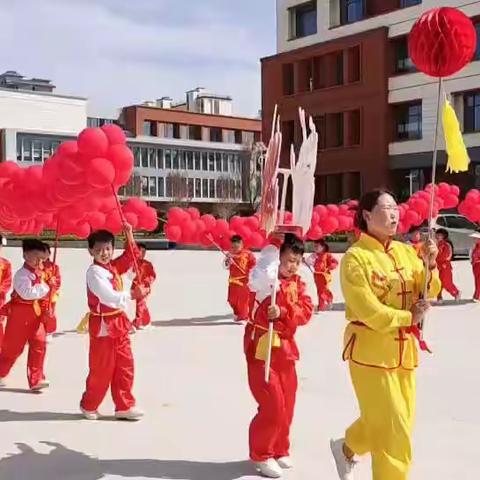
{"x":71,"y":172}
{"x":148,"y":219}
{"x":332,"y":209}
{"x":454,"y":190}
{"x":413,"y":218}
{"x":122,"y":160}
{"x":321,"y":211}
{"x":114,"y":134}
{"x":236,"y":222}
{"x":200,"y":226}
{"x":344,"y":223}
{"x":100,"y":172}
{"x":96,"y":220}
{"x":132,"y":219}
{"x":315,"y":233}
{"x":209,"y":221}
{"x":252,"y":223}
{"x":81,"y":230}
{"x":175,"y":215}
{"x":173,"y":233}
{"x":221,"y":228}
{"x":67,"y":149}
{"x":188,"y":231}
{"x":443,"y":189}
{"x":194,"y":213}
{"x":113,"y":222}
{"x":93,"y":143}
{"x":442,"y":41}
{"x":329,"y":225}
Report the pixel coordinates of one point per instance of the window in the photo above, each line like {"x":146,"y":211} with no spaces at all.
{"x":441,"y":222}
{"x":198,"y":188}
{"x":168,"y":187}
{"x":181,"y":158}
{"x":409,"y":121}
{"x":160,"y":158}
{"x":148,"y":128}
{"x":403,"y":62}
{"x":198,"y":161}
{"x":166,"y":129}
{"x":225,"y":162}
{"x":409,"y":3}
{"x":205,"y":188}
{"x":144,"y":186}
{"x":189,"y":156}
{"x":152,"y":158}
{"x":238,"y":136}
{"x":37,"y":150}
{"x":176,"y":130}
{"x":211,"y":191}
{"x":168,"y":159}
{"x":230,"y":161}
{"x":161,"y":187}
{"x":354,"y":128}
{"x":215,"y":134}
{"x":248,"y":138}
{"x":320,"y":125}
{"x":136,"y":156}
{"x":460,"y":222}
{"x":303,"y":20}
{"x":334,"y":131}
{"x":204,"y":161}
{"x":471,"y":112}
{"x":144,"y":155}
{"x":194,"y":132}
{"x":229,"y":136}
{"x":174,"y":160}
{"x":153,"y":186}
{"x":352,"y":11}
{"x":218,"y":162}
{"x":238,"y":163}
{"x":211,"y":161}
{"x":477,"y":51}
{"x":353,"y":58}
{"x":288,"y":76}
{"x":46,"y":150}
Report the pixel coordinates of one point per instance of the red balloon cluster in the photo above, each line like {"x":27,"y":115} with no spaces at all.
{"x":74,"y":190}
{"x":416,"y":210}
{"x":442,"y":42}
{"x":328,"y":219}
{"x":470,"y":207}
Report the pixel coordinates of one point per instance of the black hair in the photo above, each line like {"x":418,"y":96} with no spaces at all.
{"x":2,"y":238}
{"x":236,"y":239}
{"x":414,"y":229}
{"x":367,"y":203}
{"x":443,"y":232}
{"x":100,"y":236}
{"x":294,"y":244}
{"x":142,"y":246}
{"x":46,"y":247}
{"x":32,"y":245}
{"x":322,"y":242}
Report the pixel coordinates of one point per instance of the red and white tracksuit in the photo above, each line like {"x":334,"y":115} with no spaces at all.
{"x":269,"y":435}
{"x":52,"y":270}
{"x":476,"y":270}
{"x":444,"y":262}
{"x":110,"y":356}
{"x":240,"y":265}
{"x":26,"y":324}
{"x":148,"y":276}
{"x":5,"y":286}
{"x":323,"y":264}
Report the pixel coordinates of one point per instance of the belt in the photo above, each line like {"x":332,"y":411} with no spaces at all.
{"x":237,"y":281}
{"x":82,"y":327}
{"x":34,"y":303}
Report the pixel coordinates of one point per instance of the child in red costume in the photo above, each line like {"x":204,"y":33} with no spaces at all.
{"x":148,"y":276}
{"x":240,"y":261}
{"x":5,"y":286}
{"x":415,"y":240}
{"x":110,"y":357}
{"x":444,"y":262}
{"x":476,"y":270}
{"x":51,"y":270}
{"x":323,"y":263}
{"x":270,"y":428}
{"x":25,"y":317}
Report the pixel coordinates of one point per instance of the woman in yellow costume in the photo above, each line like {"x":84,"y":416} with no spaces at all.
{"x":382,"y":282}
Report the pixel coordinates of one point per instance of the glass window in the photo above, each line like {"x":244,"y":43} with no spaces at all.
{"x":205,"y":188}
{"x":160,"y":158}
{"x":198,"y":161}
{"x":204,"y":161}
{"x":352,"y":10}
{"x":153,"y":186}
{"x":168,"y":182}
{"x":152,"y":158}
{"x":174,"y":160}
{"x":148,"y":128}
{"x":144,"y":151}
{"x":218,"y":161}
{"x":198,"y":188}
{"x":409,"y":121}
{"x":409,"y":3}
{"x":190,"y":187}
{"x":181,"y":156}
{"x":460,"y":222}
{"x":303,"y":20}
{"x":211,"y":161}
{"x":47,"y":149}
{"x":403,"y":61}
{"x":19,"y":150}
{"x":471,"y":112}
{"x":225,"y":162}
{"x":168,"y":159}
{"x":37,"y":151}
{"x":137,"y":156}
{"x":215,"y":134}
{"x":238,"y":189}
{"x":145,"y":186}
{"x":161,"y":187}
{"x":211,"y":191}
{"x":230,"y":162}
{"x":229,"y":136}
{"x":55,"y":145}
{"x":189,"y":155}
{"x":477,"y":51}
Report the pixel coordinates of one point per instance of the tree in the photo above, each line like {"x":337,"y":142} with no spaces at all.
{"x":179,"y":188}
{"x":252,"y":175}
{"x":227,"y":194}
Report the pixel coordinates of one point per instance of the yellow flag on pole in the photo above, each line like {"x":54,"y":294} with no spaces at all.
{"x":458,"y":159}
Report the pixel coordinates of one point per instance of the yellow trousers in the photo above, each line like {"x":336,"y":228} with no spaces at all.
{"x":387,"y":409}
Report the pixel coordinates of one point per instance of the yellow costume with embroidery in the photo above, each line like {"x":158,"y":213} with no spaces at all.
{"x":380,"y":285}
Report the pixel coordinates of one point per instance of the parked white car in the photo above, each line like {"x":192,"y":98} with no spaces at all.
{"x":460,"y":230}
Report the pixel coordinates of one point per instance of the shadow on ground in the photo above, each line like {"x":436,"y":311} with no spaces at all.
{"x":210,"y":321}
{"x":63,"y":463}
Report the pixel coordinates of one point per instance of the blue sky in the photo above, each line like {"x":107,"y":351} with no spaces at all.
{"x":119,"y":52}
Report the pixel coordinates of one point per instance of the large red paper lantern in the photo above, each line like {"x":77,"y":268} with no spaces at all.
{"x":442,"y":42}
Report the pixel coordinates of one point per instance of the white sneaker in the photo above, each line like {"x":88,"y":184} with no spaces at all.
{"x":132,"y":414}
{"x":269,"y":468}
{"x":89,"y":415}
{"x":285,"y":463}
{"x":344,"y":465}
{"x":3,"y":383}
{"x":41,"y":385}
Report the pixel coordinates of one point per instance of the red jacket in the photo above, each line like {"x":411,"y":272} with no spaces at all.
{"x":52,"y":270}
{"x":445,"y":254}
{"x":476,"y":254}
{"x":325,"y":263}
{"x":295,"y":310}
{"x":5,"y":279}
{"x":147,"y":274}
{"x":240,"y":267}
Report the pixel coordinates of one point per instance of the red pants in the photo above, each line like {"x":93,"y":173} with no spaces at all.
{"x":446,"y":277}
{"x":239,"y":300}
{"x":2,"y":330}
{"x":142,"y":314}
{"x":23,"y":327}
{"x":476,"y":274}
{"x":270,"y":428}
{"x":111,"y":365}
{"x":325,"y":296}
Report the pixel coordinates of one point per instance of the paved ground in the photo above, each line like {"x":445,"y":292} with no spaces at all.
{"x":191,"y":382}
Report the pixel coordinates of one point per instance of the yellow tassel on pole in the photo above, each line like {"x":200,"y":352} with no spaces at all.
{"x":458,"y":159}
